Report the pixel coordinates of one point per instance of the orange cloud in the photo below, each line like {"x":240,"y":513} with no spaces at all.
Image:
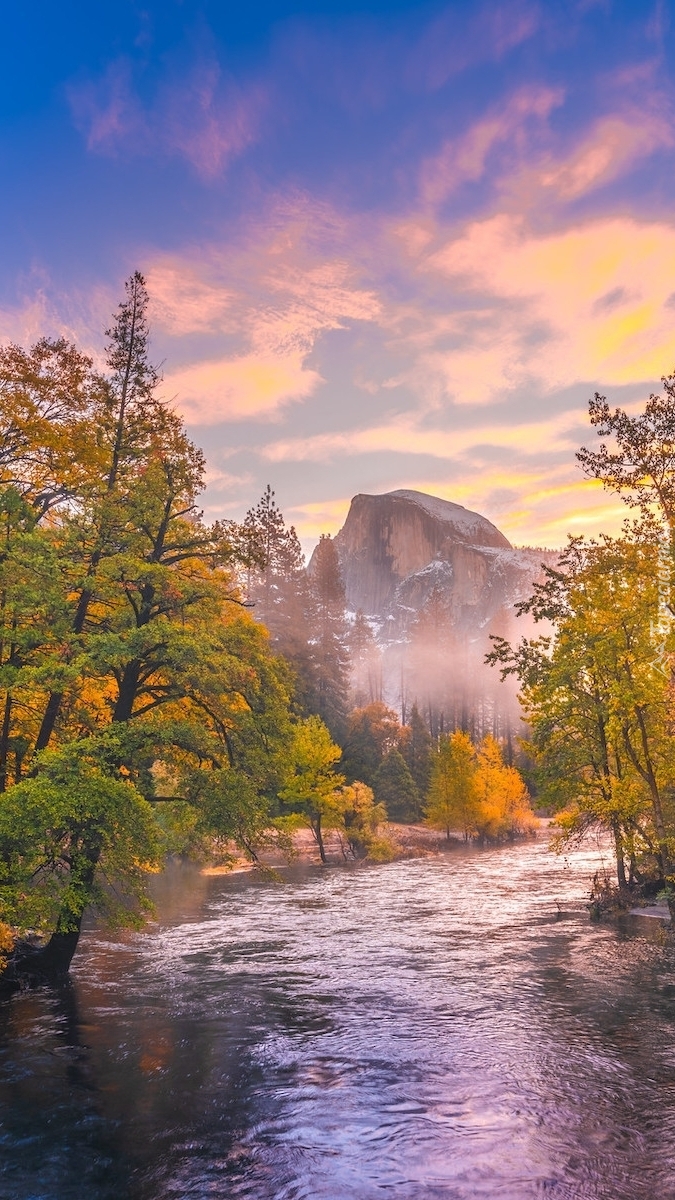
{"x":586,"y":303}
{"x":272,"y":299}
{"x":252,"y":386}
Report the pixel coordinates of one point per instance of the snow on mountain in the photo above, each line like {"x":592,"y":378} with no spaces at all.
{"x":463,"y":519}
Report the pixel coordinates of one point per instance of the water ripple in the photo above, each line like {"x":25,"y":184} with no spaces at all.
{"x":431,"y":1028}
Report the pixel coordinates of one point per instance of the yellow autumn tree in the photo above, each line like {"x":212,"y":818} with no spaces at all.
{"x":452,"y":802}
{"x":503,"y":804}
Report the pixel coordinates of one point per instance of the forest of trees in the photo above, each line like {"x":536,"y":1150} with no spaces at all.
{"x":136,"y":691}
{"x":166,"y":684}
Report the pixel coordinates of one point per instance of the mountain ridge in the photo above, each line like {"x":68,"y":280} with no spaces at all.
{"x":435,"y":581}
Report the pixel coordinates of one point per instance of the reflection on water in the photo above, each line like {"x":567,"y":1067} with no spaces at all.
{"x":431,"y":1028}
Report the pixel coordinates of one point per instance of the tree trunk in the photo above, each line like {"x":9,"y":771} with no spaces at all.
{"x":127,"y":693}
{"x":618,"y":849}
{"x":52,"y":961}
{"x":4,"y":741}
{"x":316,"y":826}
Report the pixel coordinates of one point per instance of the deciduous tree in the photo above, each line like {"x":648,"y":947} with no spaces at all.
{"x":452,"y":801}
{"x":313,"y":786}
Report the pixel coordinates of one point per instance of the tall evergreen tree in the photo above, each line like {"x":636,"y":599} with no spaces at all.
{"x":417,"y":751}
{"x":127,"y":419}
{"x":394,"y":787}
{"x":276,"y":585}
{"x":329,"y":638}
{"x":274,"y":561}
{"x":122,"y":643}
{"x":366,"y":663}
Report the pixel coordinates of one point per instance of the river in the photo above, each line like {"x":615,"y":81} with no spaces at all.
{"x":434,"y":1028}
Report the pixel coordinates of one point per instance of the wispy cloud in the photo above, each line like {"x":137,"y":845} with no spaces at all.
{"x":202,"y":116}
{"x":449,"y":44}
{"x":270,"y":300}
{"x":612,"y":147}
{"x":407,"y":436}
{"x":553,"y":328}
{"x":464,"y":160}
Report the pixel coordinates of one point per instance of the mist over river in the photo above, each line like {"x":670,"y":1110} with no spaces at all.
{"x":427,"y":1028}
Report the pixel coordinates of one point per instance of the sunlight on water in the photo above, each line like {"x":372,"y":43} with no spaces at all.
{"x":452,"y":1027}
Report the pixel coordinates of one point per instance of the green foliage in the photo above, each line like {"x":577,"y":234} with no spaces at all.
{"x":452,"y":801}
{"x":311,"y":778}
{"x":371,"y":733}
{"x":312,"y":784}
{"x":417,"y":749}
{"x":362,"y":818}
{"x":394,"y":787}
{"x":72,"y":836}
{"x":597,"y":697}
{"x":124,"y":648}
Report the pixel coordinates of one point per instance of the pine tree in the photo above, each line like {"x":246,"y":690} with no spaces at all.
{"x":276,"y":585}
{"x":127,"y":420}
{"x":329,"y":638}
{"x":417,"y":749}
{"x":394,"y":787}
{"x":274,"y":561}
{"x":366,"y":663}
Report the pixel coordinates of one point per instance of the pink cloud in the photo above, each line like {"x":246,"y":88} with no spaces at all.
{"x":187,"y":298}
{"x":445,"y":49}
{"x":611,"y":148}
{"x":271,"y":297}
{"x":108,"y":112}
{"x":30,"y":320}
{"x":203,"y":117}
{"x":209,"y":121}
{"x":465,"y":159}
{"x":608,"y":150}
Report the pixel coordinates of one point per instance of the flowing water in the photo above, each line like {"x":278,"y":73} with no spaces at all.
{"x":423,"y":1029}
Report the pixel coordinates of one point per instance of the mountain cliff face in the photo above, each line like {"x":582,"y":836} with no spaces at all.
{"x":435,"y":581}
{"x":396,"y":549}
{"x":388,"y":540}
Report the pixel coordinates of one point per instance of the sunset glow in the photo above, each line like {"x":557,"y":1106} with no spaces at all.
{"x":383,"y":251}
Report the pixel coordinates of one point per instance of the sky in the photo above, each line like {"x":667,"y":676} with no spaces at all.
{"x":387,"y":245}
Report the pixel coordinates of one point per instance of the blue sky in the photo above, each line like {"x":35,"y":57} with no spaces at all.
{"x":387,"y":245}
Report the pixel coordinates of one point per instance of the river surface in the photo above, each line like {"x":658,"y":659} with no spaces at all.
{"x":434,"y":1028}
